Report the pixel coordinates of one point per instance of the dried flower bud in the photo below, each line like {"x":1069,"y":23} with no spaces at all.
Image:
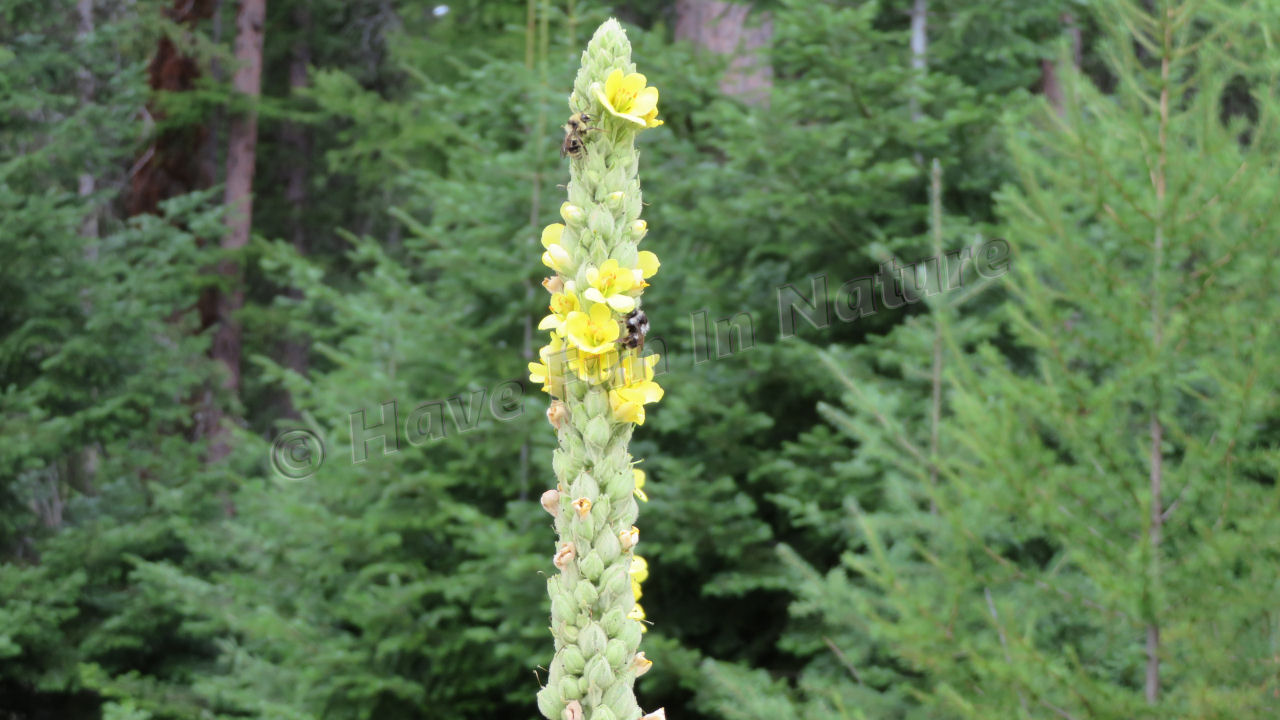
{"x":629,"y":538}
{"x":659,"y":714}
{"x":553,"y":284}
{"x":557,"y":413}
{"x":583,"y":506}
{"x":573,"y":711}
{"x":641,"y":664}
{"x":565,"y":555}
{"x":551,"y":502}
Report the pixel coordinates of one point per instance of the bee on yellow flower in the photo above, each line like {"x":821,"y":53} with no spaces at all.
{"x":628,"y":98}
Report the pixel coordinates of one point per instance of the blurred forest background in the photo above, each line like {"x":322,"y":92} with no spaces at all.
{"x":1047,"y":495}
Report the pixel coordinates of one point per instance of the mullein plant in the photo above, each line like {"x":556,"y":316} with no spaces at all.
{"x":600,"y":383}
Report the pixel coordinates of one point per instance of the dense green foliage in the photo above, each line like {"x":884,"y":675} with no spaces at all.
{"x":939,"y":510}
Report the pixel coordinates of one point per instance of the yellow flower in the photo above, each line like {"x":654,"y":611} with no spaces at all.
{"x":562,"y":303}
{"x":639,"y":573}
{"x":634,"y":369}
{"x":595,"y":368}
{"x":639,"y":475}
{"x":637,"y":390}
{"x":595,"y":331}
{"x":637,"y":613}
{"x":609,"y":283}
{"x":550,"y":371}
{"x":628,"y":98}
{"x":628,"y":402}
{"x":556,"y":257}
{"x":646,"y":267}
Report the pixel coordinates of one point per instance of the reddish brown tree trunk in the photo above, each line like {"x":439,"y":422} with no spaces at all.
{"x":169,"y":166}
{"x":723,"y":28}
{"x":241,"y":158}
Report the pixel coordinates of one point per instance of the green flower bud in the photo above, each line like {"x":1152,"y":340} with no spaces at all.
{"x":616,"y":653}
{"x":585,"y":527}
{"x":631,"y":633}
{"x":601,"y":221}
{"x":615,"y":582}
{"x":598,"y":672}
{"x":597,"y":404}
{"x":592,"y":640}
{"x":608,"y":547}
{"x":598,"y":431}
{"x":570,"y":688}
{"x":549,"y":703}
{"x":584,"y":485}
{"x":591,"y":566}
{"x":586,"y":594}
{"x":614,"y":620}
{"x":573,"y":660}
{"x":611,"y":698}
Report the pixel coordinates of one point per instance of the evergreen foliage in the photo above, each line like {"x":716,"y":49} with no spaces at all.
{"x":944,"y":509}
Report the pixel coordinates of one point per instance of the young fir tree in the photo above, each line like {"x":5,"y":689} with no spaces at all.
{"x":1106,"y":486}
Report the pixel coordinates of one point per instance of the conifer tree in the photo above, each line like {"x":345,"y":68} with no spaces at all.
{"x":1107,"y":514}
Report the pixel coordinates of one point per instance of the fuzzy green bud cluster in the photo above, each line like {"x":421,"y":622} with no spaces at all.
{"x":600,"y":386}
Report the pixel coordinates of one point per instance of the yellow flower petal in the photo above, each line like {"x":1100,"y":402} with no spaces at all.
{"x":551,"y":234}
{"x":613,"y":83}
{"x":622,"y":303}
{"x":646,"y":102}
{"x":648,"y":263}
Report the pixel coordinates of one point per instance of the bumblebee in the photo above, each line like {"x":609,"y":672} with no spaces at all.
{"x":574,"y":143}
{"x":637,"y":326}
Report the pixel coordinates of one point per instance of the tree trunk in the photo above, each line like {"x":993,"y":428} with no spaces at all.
{"x":241,"y":156}
{"x":722,"y":28}
{"x":1050,"y":84}
{"x":169,"y":166}
{"x":919,"y":50}
{"x":296,"y":138}
{"x":84,"y":89}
